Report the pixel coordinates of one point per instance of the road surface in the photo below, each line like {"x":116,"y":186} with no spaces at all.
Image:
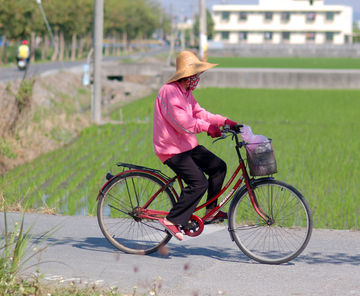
{"x":11,"y":73}
{"x":210,"y":264}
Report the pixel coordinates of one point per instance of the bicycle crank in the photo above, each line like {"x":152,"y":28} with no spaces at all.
{"x":195,"y":226}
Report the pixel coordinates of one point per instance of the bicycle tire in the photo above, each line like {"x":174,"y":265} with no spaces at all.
{"x":289,"y":232}
{"x":120,"y":199}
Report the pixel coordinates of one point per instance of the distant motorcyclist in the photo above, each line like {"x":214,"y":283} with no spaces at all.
{"x":23,"y":52}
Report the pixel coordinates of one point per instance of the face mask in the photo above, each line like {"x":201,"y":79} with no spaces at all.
{"x":192,"y":82}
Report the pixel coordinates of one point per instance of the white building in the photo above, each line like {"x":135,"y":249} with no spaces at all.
{"x":283,"y":21}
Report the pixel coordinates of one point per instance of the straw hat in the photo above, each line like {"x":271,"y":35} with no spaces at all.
{"x":188,"y":64}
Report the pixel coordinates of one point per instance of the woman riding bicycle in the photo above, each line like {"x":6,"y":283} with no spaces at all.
{"x":177,"y":118}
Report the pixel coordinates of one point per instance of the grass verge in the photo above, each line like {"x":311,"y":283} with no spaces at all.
{"x":283,"y":62}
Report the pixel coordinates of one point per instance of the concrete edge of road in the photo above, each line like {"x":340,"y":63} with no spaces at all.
{"x":249,"y":77}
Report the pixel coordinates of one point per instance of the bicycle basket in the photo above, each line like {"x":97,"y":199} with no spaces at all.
{"x":261,"y":158}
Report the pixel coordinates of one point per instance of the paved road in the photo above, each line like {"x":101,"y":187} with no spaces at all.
{"x":210,"y":264}
{"x":12,"y":73}
{"x":7,"y":74}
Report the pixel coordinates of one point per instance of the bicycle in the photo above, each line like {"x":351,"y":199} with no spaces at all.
{"x":269,"y":220}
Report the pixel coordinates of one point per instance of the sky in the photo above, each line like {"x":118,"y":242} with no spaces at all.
{"x":190,"y":7}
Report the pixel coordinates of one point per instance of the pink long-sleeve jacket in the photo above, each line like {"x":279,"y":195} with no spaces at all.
{"x":177,"y":118}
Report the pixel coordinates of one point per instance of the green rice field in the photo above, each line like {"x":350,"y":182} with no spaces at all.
{"x":315,"y":137}
{"x":283,"y":62}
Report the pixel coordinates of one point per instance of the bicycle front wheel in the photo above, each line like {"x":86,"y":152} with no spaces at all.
{"x":118,"y":212}
{"x":288,"y":229}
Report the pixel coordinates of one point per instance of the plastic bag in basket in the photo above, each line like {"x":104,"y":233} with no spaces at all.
{"x":248,"y":137}
{"x":260,"y":154}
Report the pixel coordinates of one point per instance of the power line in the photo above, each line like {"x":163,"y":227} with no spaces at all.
{"x":47,"y":24}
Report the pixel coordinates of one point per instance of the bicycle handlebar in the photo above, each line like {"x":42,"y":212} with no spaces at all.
{"x":235,"y":130}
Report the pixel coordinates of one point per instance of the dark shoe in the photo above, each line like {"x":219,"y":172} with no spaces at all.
{"x":218,"y":218}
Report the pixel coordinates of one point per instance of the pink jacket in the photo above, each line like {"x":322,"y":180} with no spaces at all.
{"x":177,"y":118}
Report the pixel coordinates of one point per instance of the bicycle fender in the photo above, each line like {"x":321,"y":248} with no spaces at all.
{"x":239,"y":193}
{"x":109,"y":178}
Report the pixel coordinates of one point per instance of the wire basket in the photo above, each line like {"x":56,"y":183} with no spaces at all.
{"x":261,"y":158}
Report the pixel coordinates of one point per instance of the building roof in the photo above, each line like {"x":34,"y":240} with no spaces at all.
{"x":282,"y":5}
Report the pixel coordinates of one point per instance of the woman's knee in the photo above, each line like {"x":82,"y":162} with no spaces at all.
{"x":220,"y":169}
{"x":222,"y":166}
{"x":202,"y":186}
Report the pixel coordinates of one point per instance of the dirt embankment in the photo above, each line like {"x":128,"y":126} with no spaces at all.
{"x":43,"y":113}
{"x":40,"y":114}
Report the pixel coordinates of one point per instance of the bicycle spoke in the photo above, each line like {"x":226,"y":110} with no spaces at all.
{"x":119,"y":213}
{"x":111,"y":206}
{"x":288,"y":231}
{"x":136,"y":194}
{"x":128,"y":190}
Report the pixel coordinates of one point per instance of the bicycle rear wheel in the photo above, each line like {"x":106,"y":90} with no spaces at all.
{"x":118,"y":210}
{"x":289,"y":228}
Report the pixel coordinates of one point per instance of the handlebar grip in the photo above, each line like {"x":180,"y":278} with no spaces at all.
{"x":235,"y":128}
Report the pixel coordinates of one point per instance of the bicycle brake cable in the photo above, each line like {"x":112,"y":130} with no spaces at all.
{"x":220,"y":138}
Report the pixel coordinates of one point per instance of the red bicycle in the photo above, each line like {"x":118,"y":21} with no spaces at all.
{"x":269,"y":220}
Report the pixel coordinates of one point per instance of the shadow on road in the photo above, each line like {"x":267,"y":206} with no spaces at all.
{"x":185,"y":250}
{"x":329,"y":258}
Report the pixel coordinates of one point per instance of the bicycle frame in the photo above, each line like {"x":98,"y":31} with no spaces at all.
{"x":133,"y":204}
{"x":153,"y":214}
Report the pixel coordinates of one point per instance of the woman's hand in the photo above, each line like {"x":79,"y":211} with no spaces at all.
{"x":230,"y":123}
{"x":214,"y":131}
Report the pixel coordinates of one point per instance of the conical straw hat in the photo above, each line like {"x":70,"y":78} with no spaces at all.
{"x":188,"y":64}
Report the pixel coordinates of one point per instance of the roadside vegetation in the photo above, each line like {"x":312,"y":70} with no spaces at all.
{"x":39,"y":115}
{"x":283,"y":62}
{"x":19,"y":249}
{"x":71,"y":23}
{"x":313,"y":132}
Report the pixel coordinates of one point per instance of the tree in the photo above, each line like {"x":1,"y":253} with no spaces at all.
{"x":72,"y":20}
{"x":356,"y":33}
{"x":15,"y":21}
{"x":79,"y":21}
{"x":209,"y":25}
{"x":116,"y":20}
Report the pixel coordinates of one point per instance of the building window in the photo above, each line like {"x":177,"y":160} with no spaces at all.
{"x":224,"y":35}
{"x":310,"y":16}
{"x":329,"y":37}
{"x":243,"y":16}
{"x":268,"y":36}
{"x":285,"y":36}
{"x":268,"y":16}
{"x":310,"y":36}
{"x":329,"y":16}
{"x":225,"y":15}
{"x":285,"y":16}
{"x":242,"y":36}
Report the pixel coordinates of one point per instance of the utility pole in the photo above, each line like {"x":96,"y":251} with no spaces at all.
{"x":203,"y":33}
{"x":172,"y":37}
{"x":182,"y":30}
{"x":98,"y":39}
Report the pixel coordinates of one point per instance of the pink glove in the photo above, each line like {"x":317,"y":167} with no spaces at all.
{"x":214,"y":131}
{"x":230,"y":123}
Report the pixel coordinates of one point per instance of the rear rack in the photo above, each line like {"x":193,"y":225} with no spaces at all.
{"x":138,"y":167}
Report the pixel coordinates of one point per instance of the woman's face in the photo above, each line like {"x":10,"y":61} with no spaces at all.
{"x":192,"y":81}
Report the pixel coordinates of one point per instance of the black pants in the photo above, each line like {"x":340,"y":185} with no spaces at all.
{"x":191,"y":166}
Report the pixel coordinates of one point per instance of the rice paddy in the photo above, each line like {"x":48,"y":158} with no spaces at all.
{"x":315,"y":139}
